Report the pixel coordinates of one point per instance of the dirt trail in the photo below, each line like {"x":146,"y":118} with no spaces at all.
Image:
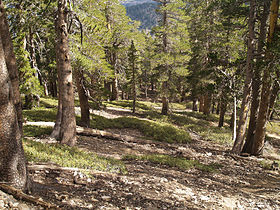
{"x":240,"y":184}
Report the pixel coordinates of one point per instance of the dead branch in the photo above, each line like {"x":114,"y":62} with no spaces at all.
{"x":18,"y":194}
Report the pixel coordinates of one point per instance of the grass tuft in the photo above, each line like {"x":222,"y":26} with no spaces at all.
{"x":48,"y":102}
{"x":157,"y":131}
{"x":181,"y":163}
{"x":66,"y":156}
{"x":40,"y":114}
{"x":36,"y":131}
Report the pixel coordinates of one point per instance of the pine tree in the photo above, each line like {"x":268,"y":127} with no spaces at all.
{"x":172,"y":47}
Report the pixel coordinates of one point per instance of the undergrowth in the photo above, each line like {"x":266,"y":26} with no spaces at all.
{"x":157,"y":131}
{"x":40,"y":114}
{"x":142,"y":105}
{"x":181,"y":163}
{"x":66,"y":156}
{"x":36,"y":131}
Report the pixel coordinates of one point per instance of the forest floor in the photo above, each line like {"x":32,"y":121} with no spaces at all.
{"x":234,"y":183}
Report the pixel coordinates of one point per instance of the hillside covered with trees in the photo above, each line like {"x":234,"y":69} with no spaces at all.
{"x":97,"y":114}
{"x":143,"y":12}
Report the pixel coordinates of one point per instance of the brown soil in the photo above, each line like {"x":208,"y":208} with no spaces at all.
{"x":240,"y":184}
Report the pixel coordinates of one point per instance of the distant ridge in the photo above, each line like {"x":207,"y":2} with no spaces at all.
{"x":144,"y":11}
{"x":135,"y":2}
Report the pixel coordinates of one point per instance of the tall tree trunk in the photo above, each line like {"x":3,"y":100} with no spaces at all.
{"x":10,"y":59}
{"x":115,"y":89}
{"x":133,"y":87}
{"x":201,"y":103}
{"x":223,"y":108}
{"x":218,"y":107}
{"x":165,"y":101}
{"x":195,"y":105}
{"x":207,"y":103}
{"x":83,"y":98}
{"x":67,"y":134}
{"x":12,"y":161}
{"x":256,"y":82}
{"x":234,"y":119}
{"x":273,"y":97}
{"x":266,"y":87}
{"x":57,"y":126}
{"x":213,"y":107}
{"x":248,"y":82}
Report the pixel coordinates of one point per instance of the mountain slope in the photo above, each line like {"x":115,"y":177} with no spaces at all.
{"x":144,"y":12}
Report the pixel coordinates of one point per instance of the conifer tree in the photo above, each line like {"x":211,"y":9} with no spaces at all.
{"x":172,"y":47}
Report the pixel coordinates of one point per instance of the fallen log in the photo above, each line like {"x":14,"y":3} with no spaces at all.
{"x":109,"y":135}
{"x":19,"y":195}
{"x":101,"y":133}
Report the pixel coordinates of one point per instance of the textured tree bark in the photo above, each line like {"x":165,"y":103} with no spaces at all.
{"x":195,"y":105}
{"x":57,"y":126}
{"x":11,"y":63}
{"x":165,"y":101}
{"x":133,"y":88}
{"x":223,"y":109}
{"x":256,"y":82}
{"x":273,"y":97}
{"x":83,"y":98}
{"x":12,"y":161}
{"x":218,"y":107}
{"x":67,"y":134}
{"x":115,"y":89}
{"x":201,"y":103}
{"x":207,"y":103}
{"x":266,"y":87}
{"x":238,"y":144}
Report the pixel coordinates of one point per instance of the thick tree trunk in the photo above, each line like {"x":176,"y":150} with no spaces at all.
{"x":53,"y":88}
{"x":83,"y":98}
{"x":213,"y":107}
{"x":248,"y":82}
{"x":12,"y":161}
{"x":266,"y":87}
{"x":256,"y":82}
{"x":11,"y":64}
{"x":57,"y":126}
{"x":207,"y":104}
{"x":201,"y":103}
{"x":218,"y":107}
{"x":115,"y":89}
{"x":165,"y":101}
{"x":67,"y":133}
